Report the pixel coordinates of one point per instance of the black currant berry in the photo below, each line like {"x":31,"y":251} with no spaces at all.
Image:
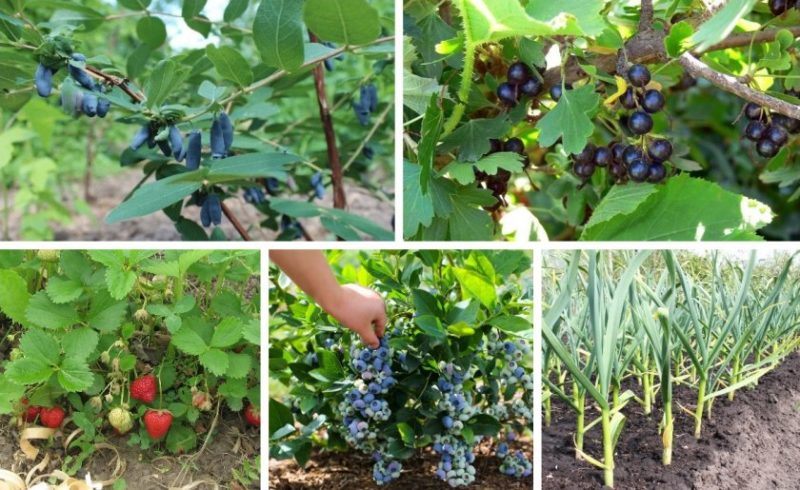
{"x":638,"y":75}
{"x":518,"y":73}
{"x":755,"y":130}
{"x":631,"y":154}
{"x":584,"y":170}
{"x":514,"y":145}
{"x":603,"y":156}
{"x":776,"y":134}
{"x":586,"y":155}
{"x":507,"y":93}
{"x":640,"y":122}
{"x":753,"y":111}
{"x":656,"y":173}
{"x":497,"y":145}
{"x":766,"y":148}
{"x":503,"y":175}
{"x":639,"y":170}
{"x":556,"y":91}
{"x":532,"y":87}
{"x":779,"y":7}
{"x":618,"y":170}
{"x":628,"y":98}
{"x":789,"y":124}
{"x":660,"y":150}
{"x":617,"y":149}
{"x":652,"y":101}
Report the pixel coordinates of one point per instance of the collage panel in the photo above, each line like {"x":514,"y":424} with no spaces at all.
{"x":601,"y":120}
{"x":192,"y":120}
{"x":670,"y":369}
{"x":130,"y":369}
{"x":401,"y":369}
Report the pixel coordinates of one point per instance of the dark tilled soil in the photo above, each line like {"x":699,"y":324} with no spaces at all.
{"x":353,"y":471}
{"x":752,"y":443}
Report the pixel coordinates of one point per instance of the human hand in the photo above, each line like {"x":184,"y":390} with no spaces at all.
{"x":358,"y":309}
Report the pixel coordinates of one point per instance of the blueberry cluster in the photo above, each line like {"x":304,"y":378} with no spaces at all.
{"x":367,"y":103}
{"x":385,"y":472}
{"x":780,"y":7}
{"x":521,"y":82}
{"x":769,"y":131}
{"x":457,"y":457}
{"x":514,"y":464}
{"x":512,"y":377}
{"x":77,"y":101}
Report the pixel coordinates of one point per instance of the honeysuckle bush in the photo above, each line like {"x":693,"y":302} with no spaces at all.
{"x":286,"y":106}
{"x":80,"y":327}
{"x":517,"y":114}
{"x":454,"y":368}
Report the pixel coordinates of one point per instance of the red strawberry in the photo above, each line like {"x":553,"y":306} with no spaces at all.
{"x":30,"y":412}
{"x":144,"y":389}
{"x":252,"y":416}
{"x":157,"y":423}
{"x":52,"y":417}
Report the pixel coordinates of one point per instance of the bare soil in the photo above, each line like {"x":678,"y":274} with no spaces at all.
{"x":109,"y":192}
{"x":349,"y":471}
{"x":751,"y":443}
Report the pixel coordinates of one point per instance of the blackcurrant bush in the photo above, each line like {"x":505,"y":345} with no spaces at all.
{"x":755,"y":130}
{"x":789,"y":124}
{"x":532,"y":87}
{"x":767,"y":148}
{"x":656,"y":173}
{"x":603,"y":156}
{"x":631,"y":154}
{"x":507,"y":93}
{"x":518,"y":73}
{"x":638,"y":75}
{"x":586,"y":155}
{"x":617,"y":149}
{"x":753,"y":111}
{"x":652,"y":101}
{"x":628,"y":98}
{"x":776,"y":134}
{"x":514,"y":145}
{"x":660,"y":150}
{"x":640,"y":122}
{"x":639,"y":170}
{"x":584,"y":170}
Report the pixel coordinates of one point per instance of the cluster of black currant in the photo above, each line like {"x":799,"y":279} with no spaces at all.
{"x":631,"y":161}
{"x":521,"y":81}
{"x":769,"y":131}
{"x":780,"y":7}
{"x":498,"y":183}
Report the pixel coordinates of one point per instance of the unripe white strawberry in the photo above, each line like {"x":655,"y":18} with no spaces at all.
{"x":120,"y":419}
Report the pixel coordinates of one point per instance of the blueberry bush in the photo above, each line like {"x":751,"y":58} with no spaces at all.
{"x":152,"y":347}
{"x":270,"y":108}
{"x":454,"y":369}
{"x":601,"y":120}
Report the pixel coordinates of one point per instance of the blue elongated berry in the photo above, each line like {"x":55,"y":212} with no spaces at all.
{"x":103,"y":106}
{"x":273,"y":185}
{"x":44,"y":80}
{"x":194,"y":146}
{"x":328,"y":64}
{"x":227,"y":130}
{"x":90,"y":105}
{"x":368,"y":152}
{"x":254,"y":195}
{"x":369,"y":97}
{"x":211,"y":211}
{"x":140,"y":137}
{"x":165,"y":148}
{"x":176,"y":141}
{"x":362,"y":112}
{"x":217,"y":140}
{"x":79,"y":74}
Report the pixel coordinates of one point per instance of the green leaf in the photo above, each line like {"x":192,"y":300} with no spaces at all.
{"x":28,"y":371}
{"x":181,"y":439}
{"x":347,"y":22}
{"x":166,"y":78}
{"x":476,"y":286}
{"x":154,"y":196}
{"x":406,"y":433}
{"x":74,"y":375}
{"x":252,"y":332}
{"x":230,"y":64}
{"x":40,"y":346}
{"x":188,"y":341}
{"x":135,"y":4}
{"x":493,"y":20}
{"x":721,"y":24}
{"x":251,"y":165}
{"x":677,"y":41}
{"x":279,"y":416}
{"x":295,"y":209}
{"x":684,"y":208}
{"x":417,"y":206}
{"x":105,"y":313}
{"x":44,"y":313}
{"x":483,"y":425}
{"x":239,"y":365}
{"x":464,"y":173}
{"x":79,"y":343}
{"x":460,"y":329}
{"x":472,"y":138}
{"x":360,"y":223}
{"x":278,"y":33}
{"x":227,"y":333}
{"x":63,"y":290}
{"x":513,"y":324}
{"x":431,"y":129}
{"x":191,"y":13}
{"x":431,"y":326}
{"x":14,"y":296}
{"x":234,"y":10}
{"x":215,"y":360}
{"x":9,"y":394}
{"x":152,"y":31}
{"x":569,"y":119}
{"x":586,"y":14}
{"x":621,"y":200}
{"x":120,"y":282}
{"x":467,"y":223}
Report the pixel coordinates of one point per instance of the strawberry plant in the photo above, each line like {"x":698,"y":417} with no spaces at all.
{"x":155,"y":348}
{"x":245,"y":115}
{"x":451,"y":379}
{"x":645,"y":120}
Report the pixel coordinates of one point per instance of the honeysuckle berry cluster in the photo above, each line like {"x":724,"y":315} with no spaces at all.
{"x":78,"y":91}
{"x":522,"y":81}
{"x":366,"y":104}
{"x":769,"y":132}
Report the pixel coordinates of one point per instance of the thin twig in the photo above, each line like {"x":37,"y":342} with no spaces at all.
{"x":339,"y":197}
{"x":235,"y":222}
{"x":369,"y":136}
{"x":122,"y":83}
